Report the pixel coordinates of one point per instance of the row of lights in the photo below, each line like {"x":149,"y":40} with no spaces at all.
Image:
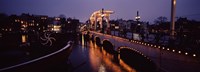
{"x":6,"y":29}
{"x":151,"y":45}
{"x":159,"y":47}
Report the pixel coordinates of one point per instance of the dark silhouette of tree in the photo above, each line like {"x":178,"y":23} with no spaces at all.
{"x":160,"y":20}
{"x":161,"y":24}
{"x":62,"y":16}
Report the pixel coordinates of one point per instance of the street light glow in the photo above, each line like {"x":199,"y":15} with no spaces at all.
{"x":179,"y":51}
{"x":173,"y":50}
{"x":186,"y":53}
{"x":174,"y":2}
{"x":194,"y":55}
{"x":167,"y":48}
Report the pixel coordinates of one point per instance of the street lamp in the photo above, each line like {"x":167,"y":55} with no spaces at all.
{"x":173,"y":11}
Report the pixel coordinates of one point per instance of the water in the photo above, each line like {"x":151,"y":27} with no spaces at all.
{"x":91,"y":58}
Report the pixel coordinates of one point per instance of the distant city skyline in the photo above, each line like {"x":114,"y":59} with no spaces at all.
{"x":149,"y":10}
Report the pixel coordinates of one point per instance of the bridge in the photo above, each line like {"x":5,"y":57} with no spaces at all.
{"x":168,"y":60}
{"x":97,"y":19}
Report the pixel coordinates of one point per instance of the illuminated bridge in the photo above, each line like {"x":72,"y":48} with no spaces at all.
{"x":97,"y":17}
{"x":168,"y":60}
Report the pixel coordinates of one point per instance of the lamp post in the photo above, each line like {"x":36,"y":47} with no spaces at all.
{"x":173,"y":11}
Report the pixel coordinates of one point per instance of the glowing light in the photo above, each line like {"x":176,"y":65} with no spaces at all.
{"x":179,"y":51}
{"x":194,"y":55}
{"x":68,"y":22}
{"x":174,"y":2}
{"x":125,"y":66}
{"x":16,"y":20}
{"x":158,"y":46}
{"x":102,"y":68}
{"x":173,"y":50}
{"x":23,"y":38}
{"x":42,"y":18}
{"x":22,"y":22}
{"x":57,"y":18}
{"x":57,"y":28}
{"x":163,"y":48}
{"x":137,"y":17}
{"x":186,"y":53}
{"x":82,"y":40}
{"x":167,"y":48}
{"x":22,"y":28}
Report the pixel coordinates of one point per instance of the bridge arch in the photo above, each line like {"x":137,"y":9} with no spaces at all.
{"x":108,"y":46}
{"x":98,"y":41}
{"x":136,"y":59}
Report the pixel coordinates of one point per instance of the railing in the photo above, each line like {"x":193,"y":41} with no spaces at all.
{"x":39,"y":62}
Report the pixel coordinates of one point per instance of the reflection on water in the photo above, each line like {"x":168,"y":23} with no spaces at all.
{"x":103,"y":61}
{"x":83,"y":42}
{"x":99,"y":60}
{"x":125,"y":66}
{"x":24,"y":38}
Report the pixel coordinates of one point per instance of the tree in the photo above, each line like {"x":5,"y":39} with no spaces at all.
{"x":62,"y":16}
{"x":161,"y":24}
{"x":160,"y":20}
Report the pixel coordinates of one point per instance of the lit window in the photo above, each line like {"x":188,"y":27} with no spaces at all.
{"x":16,"y":20}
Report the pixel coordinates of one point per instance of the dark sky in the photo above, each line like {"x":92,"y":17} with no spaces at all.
{"x":82,"y":9}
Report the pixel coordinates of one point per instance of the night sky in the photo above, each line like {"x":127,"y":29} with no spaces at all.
{"x":149,"y":10}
